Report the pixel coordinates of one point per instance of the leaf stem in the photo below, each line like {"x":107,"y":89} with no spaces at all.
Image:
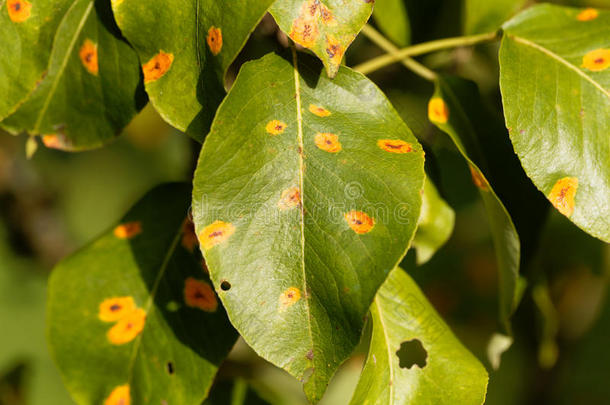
{"x":425,"y":47}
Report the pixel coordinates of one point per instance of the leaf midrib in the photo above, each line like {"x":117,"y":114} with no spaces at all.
{"x":561,"y":60}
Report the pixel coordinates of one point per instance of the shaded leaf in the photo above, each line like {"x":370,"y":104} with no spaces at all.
{"x":327,"y":27}
{"x":186,"y":47}
{"x":435,"y":223}
{"x":236,"y":392}
{"x":392,"y":19}
{"x":302,"y":206}
{"x":452,"y":109}
{"x":482,"y":16}
{"x":134,"y":312}
{"x":557,"y":104}
{"x":445,"y":371}
{"x":92,"y":88}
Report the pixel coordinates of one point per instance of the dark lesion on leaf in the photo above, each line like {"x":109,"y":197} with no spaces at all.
{"x":412,"y":353}
{"x":170,"y":368}
{"x":225,"y":285}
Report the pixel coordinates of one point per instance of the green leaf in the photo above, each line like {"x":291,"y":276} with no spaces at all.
{"x":482,"y":16}
{"x":454,"y":109}
{"x":301,"y":213}
{"x":92,"y":87}
{"x":327,"y":27}
{"x":26,"y":37}
{"x":392,"y":19}
{"x":168,"y":335}
{"x":435,"y":224}
{"x":193,"y":42}
{"x":557,"y":103}
{"x":413,"y":356}
{"x":236,"y":392}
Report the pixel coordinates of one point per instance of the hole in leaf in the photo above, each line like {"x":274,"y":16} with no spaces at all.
{"x":225,"y":285}
{"x":412,"y":353}
{"x":170,"y":368}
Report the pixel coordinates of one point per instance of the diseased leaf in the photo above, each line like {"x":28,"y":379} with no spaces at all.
{"x":482,"y":16}
{"x":327,"y":27}
{"x":135,"y":313}
{"x":186,"y":47}
{"x":556,"y":97}
{"x":413,"y":356}
{"x":92,"y":88}
{"x":307,"y":193}
{"x":452,"y":109}
{"x":392,"y":19}
{"x":435,"y":224}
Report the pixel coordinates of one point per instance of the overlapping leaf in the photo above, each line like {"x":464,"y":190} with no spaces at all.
{"x":327,"y":27}
{"x":133,"y":315}
{"x":403,"y":324}
{"x":482,"y":16}
{"x":392,"y":18}
{"x":307,"y":193}
{"x":92,"y":86}
{"x":186,"y":47}
{"x":556,"y":97}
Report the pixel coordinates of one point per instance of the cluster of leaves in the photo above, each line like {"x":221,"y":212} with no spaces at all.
{"x":309,"y":187}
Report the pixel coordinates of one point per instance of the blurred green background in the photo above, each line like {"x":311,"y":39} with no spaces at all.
{"x":57,"y":201}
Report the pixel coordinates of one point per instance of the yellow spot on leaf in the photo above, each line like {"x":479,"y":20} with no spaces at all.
{"x":596,"y":60}
{"x":214,"y":40}
{"x":290,"y":198}
{"x":189,"y":238}
{"x":588,"y":14}
{"x":304,"y":29}
{"x":289,"y":297}
{"x":128,"y":230}
{"x":215,"y":233}
{"x":115,"y":308}
{"x":157,"y":66}
{"x":395,"y":145}
{"x":437,"y":110}
{"x":562,"y":195}
{"x":359,"y":221}
{"x":127,"y":328}
{"x":56,"y":141}
{"x":327,"y":15}
{"x":18,"y":10}
{"x":275,"y":127}
{"x":478,"y":179}
{"x":327,"y":142}
{"x":334,"y":50}
{"x":199,"y":294}
{"x":319,"y":111}
{"x":119,"y":396}
{"x":88,"y":56}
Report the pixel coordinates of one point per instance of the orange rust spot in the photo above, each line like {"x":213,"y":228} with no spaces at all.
{"x":588,"y":14}
{"x":437,"y":110}
{"x":334,"y":50}
{"x":319,"y":111}
{"x":359,"y":221}
{"x":88,"y":56}
{"x":562,"y":195}
{"x":596,"y":60}
{"x":56,"y":141}
{"x":127,"y":328}
{"x":395,"y":145}
{"x":327,"y":142}
{"x":326,"y":15}
{"x":289,"y":297}
{"x":290,"y":198}
{"x":214,"y":40}
{"x":128,"y":230}
{"x":478,"y":179}
{"x":157,"y":66}
{"x":215,"y":233}
{"x":304,"y":29}
{"x":275,"y":127}
{"x":199,"y":294}
{"x":115,"y":308}
{"x":119,"y":396}
{"x":189,"y":238}
{"x":18,"y":10}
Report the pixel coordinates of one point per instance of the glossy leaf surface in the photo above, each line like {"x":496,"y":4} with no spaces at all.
{"x":392,"y":19}
{"x":135,"y":313}
{"x":327,"y":27}
{"x":556,"y":97}
{"x":186,"y":47}
{"x":306,"y":194}
{"x":482,"y":16}
{"x":452,"y":108}
{"x":92,"y":87}
{"x":405,"y":323}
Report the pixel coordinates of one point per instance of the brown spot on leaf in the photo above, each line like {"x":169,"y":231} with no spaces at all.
{"x":327,"y":142}
{"x":127,"y":328}
{"x":289,"y":297}
{"x":395,"y":145}
{"x":359,"y":221}
{"x":214,"y":40}
{"x":128,"y":230}
{"x":189,"y":238}
{"x":562,"y":195}
{"x":157,"y":66}
{"x":88,"y":56}
{"x":18,"y":10}
{"x":290,"y":198}
{"x":275,"y":127}
{"x":115,"y":308}
{"x":215,"y":233}
{"x":319,"y":111}
{"x":478,"y":179}
{"x":199,"y":294}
